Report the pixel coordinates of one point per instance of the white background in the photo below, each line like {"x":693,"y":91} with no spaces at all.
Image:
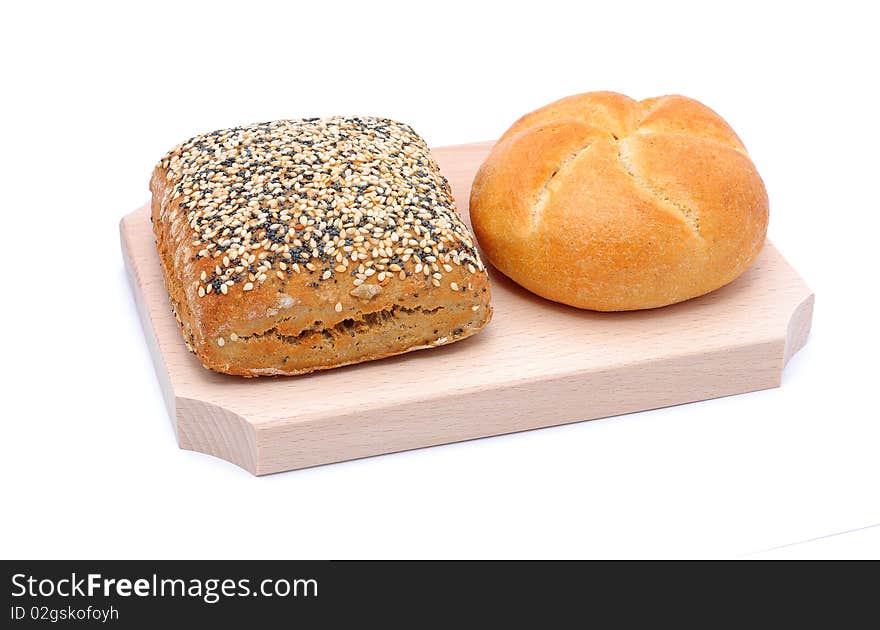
{"x":94,"y":95}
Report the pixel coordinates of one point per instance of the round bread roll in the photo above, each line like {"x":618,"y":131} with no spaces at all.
{"x":606,"y":203}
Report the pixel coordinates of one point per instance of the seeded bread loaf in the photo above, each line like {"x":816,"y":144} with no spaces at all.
{"x":302,"y":245}
{"x":606,"y":203}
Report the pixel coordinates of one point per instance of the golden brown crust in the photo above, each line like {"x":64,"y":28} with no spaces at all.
{"x":291,"y":307}
{"x":605,"y":203}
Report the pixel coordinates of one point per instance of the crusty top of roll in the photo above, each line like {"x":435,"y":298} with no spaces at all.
{"x":607,"y":203}
{"x":358,"y":200}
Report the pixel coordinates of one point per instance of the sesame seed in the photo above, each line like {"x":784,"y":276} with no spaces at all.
{"x":338,"y":307}
{"x":453,"y":286}
{"x":233,"y":337}
{"x":366,"y":291}
{"x":221,"y":342}
{"x":248,"y":286}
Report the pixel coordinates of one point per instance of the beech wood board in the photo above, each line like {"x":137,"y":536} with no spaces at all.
{"x":537,"y":364}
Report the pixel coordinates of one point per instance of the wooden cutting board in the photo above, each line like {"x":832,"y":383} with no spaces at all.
{"x":537,"y":364}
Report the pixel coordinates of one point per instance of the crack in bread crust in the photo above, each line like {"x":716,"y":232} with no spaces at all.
{"x":690,"y":216}
{"x":541,"y":198}
{"x":349,"y":325}
{"x":401,"y":330}
{"x":691,"y":136}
